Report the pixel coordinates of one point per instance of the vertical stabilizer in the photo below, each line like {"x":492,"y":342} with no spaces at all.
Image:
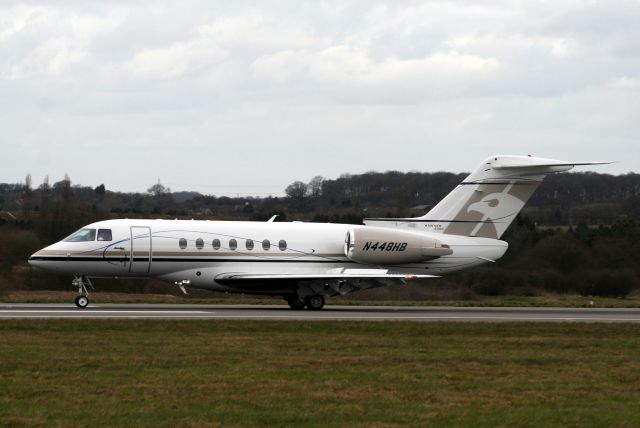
{"x":489,"y":199}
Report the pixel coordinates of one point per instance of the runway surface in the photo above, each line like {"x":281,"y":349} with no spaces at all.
{"x":330,"y":312}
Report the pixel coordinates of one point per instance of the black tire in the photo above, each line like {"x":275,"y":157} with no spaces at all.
{"x":296,"y":303}
{"x":82,"y":301}
{"x":315,"y":302}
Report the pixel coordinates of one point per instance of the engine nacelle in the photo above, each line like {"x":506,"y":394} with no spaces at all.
{"x":384,"y":246}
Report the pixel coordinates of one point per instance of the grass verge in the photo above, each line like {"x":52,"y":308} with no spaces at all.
{"x":248,"y":373}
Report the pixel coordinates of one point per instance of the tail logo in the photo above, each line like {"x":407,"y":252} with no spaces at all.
{"x":489,"y":209}
{"x":495,"y":205}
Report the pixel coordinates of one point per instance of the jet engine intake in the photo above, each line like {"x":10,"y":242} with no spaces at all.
{"x":384,"y":246}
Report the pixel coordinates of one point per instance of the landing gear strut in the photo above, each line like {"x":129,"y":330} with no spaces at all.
{"x":315,"y":302}
{"x":296,"y":303}
{"x":82,"y":301}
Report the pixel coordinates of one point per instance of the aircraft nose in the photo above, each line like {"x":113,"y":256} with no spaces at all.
{"x":33,"y":258}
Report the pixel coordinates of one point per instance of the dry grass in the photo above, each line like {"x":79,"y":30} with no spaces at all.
{"x":203,"y":373}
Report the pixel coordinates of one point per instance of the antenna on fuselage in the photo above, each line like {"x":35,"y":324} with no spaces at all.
{"x":272,"y":219}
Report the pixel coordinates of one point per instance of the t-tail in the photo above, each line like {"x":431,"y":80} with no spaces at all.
{"x":488,"y":200}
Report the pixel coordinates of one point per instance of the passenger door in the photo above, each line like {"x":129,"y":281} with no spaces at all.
{"x":140,"y":249}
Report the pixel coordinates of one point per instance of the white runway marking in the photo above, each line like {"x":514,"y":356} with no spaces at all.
{"x":101,"y":311}
{"x":140,"y":315}
{"x":487,"y":318}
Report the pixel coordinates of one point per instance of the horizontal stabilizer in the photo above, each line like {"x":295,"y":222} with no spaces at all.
{"x":545,"y":163}
{"x":487,"y":201}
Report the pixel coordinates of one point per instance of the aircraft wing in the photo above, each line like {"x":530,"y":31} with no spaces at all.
{"x":232,"y":277}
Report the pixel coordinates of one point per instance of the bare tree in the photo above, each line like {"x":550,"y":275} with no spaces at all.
{"x":315,"y":186}
{"x":25,"y":201}
{"x":67,"y":193}
{"x":297,"y":192}
{"x":45,"y":190}
{"x":45,"y":223}
{"x":158,"y":189}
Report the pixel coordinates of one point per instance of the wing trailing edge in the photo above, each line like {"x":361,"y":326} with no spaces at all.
{"x":346,"y":275}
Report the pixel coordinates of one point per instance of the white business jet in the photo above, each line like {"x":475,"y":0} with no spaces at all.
{"x":307,"y":262}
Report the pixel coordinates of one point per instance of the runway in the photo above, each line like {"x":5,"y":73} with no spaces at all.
{"x":330,"y":312}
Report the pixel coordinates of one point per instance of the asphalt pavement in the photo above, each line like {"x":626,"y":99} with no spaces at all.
{"x":330,"y":312}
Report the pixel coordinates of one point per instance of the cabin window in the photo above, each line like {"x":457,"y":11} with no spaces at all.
{"x":82,"y":235}
{"x":182,"y":243}
{"x":266,"y":245}
{"x":104,"y":235}
{"x":282,"y":245}
{"x":249,"y":244}
{"x":215,"y":244}
{"x":199,"y":244}
{"x":233,"y":244}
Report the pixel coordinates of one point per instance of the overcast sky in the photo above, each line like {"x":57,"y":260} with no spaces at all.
{"x":246,"y":97}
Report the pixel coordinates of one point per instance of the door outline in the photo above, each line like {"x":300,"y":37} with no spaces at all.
{"x":142,"y":232}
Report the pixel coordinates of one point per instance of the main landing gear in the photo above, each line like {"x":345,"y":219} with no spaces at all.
{"x":313,"y":303}
{"x":296,"y":303}
{"x":82,"y":301}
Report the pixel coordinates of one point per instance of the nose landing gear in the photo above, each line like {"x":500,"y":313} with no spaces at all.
{"x":82,"y":301}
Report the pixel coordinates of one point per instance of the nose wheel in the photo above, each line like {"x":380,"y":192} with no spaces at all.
{"x":82,"y":301}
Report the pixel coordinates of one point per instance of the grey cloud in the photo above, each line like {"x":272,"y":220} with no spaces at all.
{"x":248,"y":97}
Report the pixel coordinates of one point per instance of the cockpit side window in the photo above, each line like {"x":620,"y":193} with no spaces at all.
{"x":82,"y":235}
{"x":104,"y":235}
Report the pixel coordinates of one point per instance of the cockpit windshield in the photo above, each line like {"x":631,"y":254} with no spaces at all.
{"x":81,"y":235}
